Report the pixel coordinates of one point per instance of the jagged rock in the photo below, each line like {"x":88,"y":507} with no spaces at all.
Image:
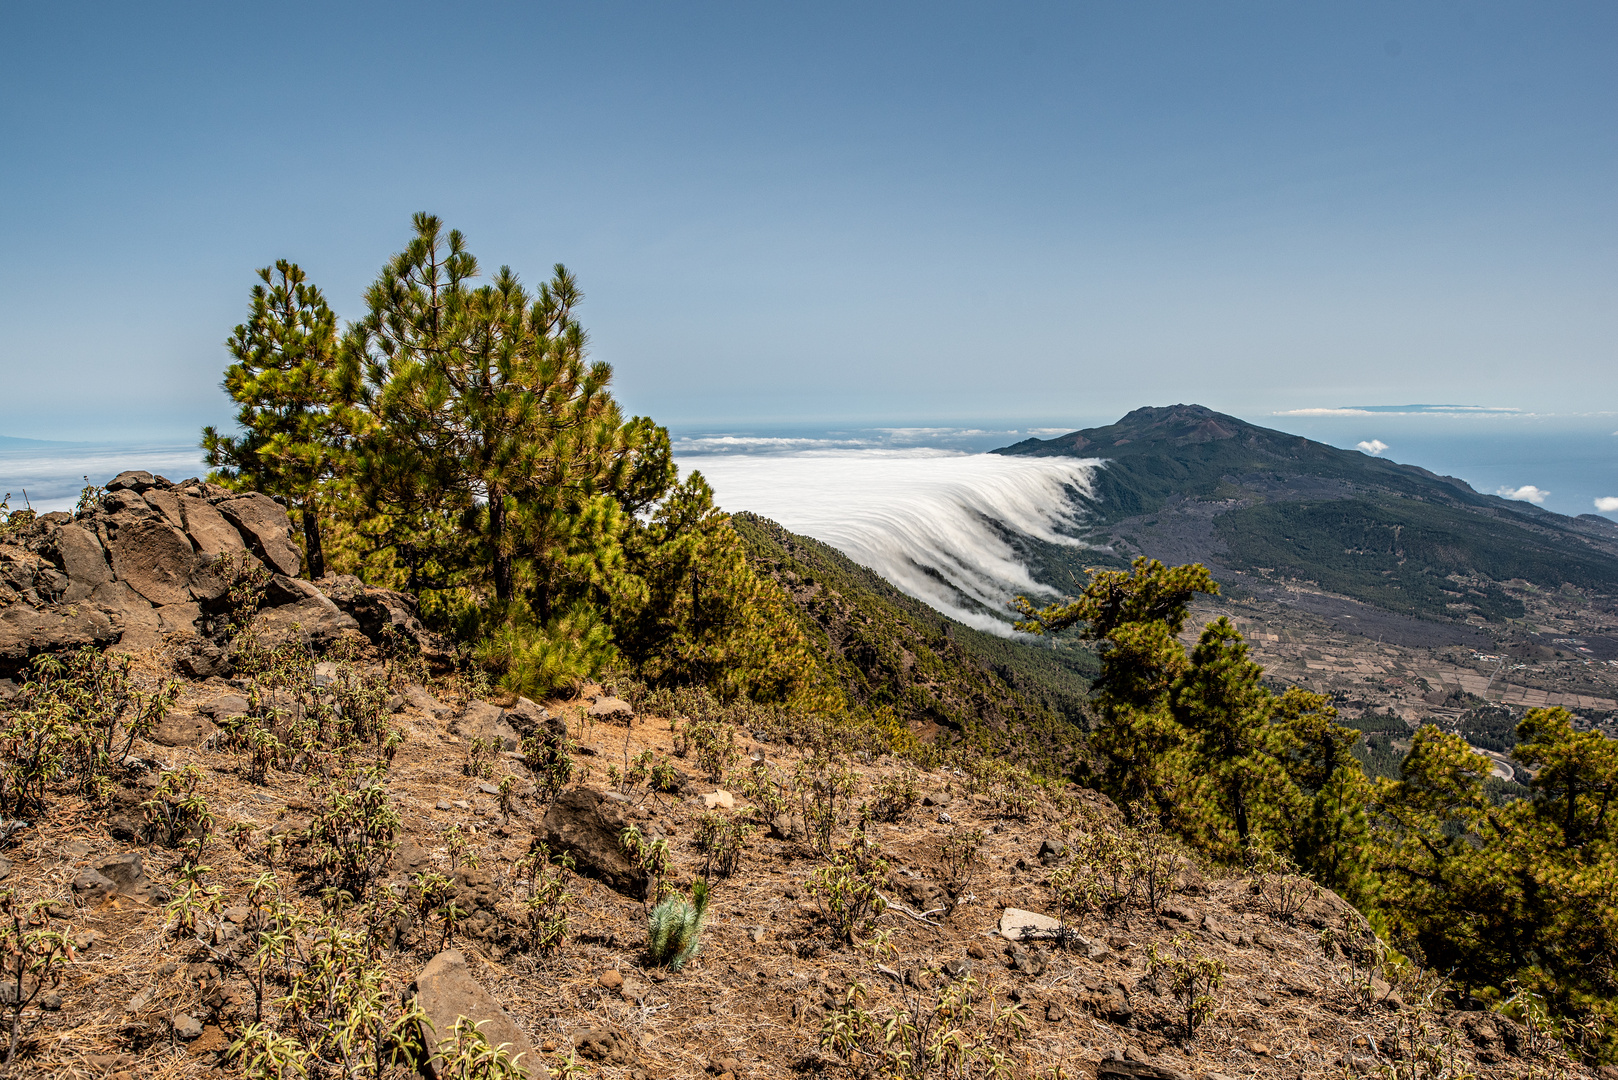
{"x":136,"y":480}
{"x":182,"y":729}
{"x":210,"y":533}
{"x":611,"y":710}
{"x":123,"y":875}
{"x":937,"y":798}
{"x":78,"y":552}
{"x":152,"y":557}
{"x":446,"y":991}
{"x":167,"y":505}
{"x":586,"y":824}
{"x":314,"y":620}
{"x":1136,"y":1070}
{"x":527,"y":719}
{"x":719,"y":800}
{"x":187,"y":1027}
{"x":487,"y":722}
{"x":1051,"y":850}
{"x":386,"y":616}
{"x":139,"y":625}
{"x":419,"y":698}
{"x":265,"y":527}
{"x":1019,"y":925}
{"x":26,"y":631}
{"x":957,"y":968}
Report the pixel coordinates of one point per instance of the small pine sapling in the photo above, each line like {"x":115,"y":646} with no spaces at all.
{"x":674,"y":928}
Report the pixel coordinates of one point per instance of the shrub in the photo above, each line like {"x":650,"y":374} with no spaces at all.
{"x":1282,"y":891}
{"x":1193,"y":978}
{"x":762,"y":786}
{"x":953,"y":1035}
{"x":32,"y":957}
{"x":651,"y":857}
{"x":825,"y":794}
{"x":711,"y":743}
{"x":351,"y":837}
{"x":724,"y":839}
{"x":847,"y":888}
{"x":896,"y":796}
{"x":479,"y":762}
{"x":176,"y":811}
{"x":959,"y":860}
{"x":674,"y":928}
{"x":550,"y":759}
{"x":545,"y":905}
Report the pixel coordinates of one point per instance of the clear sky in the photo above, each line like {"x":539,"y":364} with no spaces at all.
{"x":864,"y":212}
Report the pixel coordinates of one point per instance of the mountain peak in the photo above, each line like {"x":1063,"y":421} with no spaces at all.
{"x":1167,"y":425}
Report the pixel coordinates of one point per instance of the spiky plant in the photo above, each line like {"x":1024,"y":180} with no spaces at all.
{"x":674,"y":928}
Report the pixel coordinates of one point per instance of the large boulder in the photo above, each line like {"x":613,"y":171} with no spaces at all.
{"x":78,"y":552}
{"x":265,"y":527}
{"x":446,"y":991}
{"x":587,"y":824}
{"x":152,"y":557}
{"x":313,"y":620}
{"x":487,"y":722}
{"x":26,"y":631}
{"x":138,"y":621}
{"x":210,"y":533}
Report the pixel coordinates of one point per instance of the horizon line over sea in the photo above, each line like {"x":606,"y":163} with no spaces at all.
{"x":1566,"y":464}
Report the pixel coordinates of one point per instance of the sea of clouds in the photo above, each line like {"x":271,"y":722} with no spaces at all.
{"x":931,"y":521}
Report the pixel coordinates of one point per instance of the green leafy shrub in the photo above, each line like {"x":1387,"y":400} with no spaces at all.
{"x":177,"y":811}
{"x":958,"y":1033}
{"x":650,"y":856}
{"x":674,"y":928}
{"x":896,"y":796}
{"x":724,"y":840}
{"x":847,"y":888}
{"x":1192,"y":977}
{"x":32,"y":957}
{"x":710,"y":743}
{"x":544,"y":908}
{"x":959,"y":860}
{"x":351,"y":837}
{"x":825,"y":796}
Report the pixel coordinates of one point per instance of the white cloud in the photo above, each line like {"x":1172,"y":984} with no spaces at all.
{"x":1374,"y":447}
{"x":1607,"y":504}
{"x":1526,"y":493}
{"x":1324,"y":412}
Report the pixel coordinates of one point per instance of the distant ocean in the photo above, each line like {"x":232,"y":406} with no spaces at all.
{"x":927,"y":507}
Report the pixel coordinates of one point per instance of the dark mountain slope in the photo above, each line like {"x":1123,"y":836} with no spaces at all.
{"x":1185,"y":482}
{"x":888,"y":649}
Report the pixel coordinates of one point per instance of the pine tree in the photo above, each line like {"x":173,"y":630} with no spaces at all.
{"x":295,"y":439}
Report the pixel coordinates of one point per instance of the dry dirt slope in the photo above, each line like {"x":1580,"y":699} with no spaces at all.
{"x":140,"y":1001}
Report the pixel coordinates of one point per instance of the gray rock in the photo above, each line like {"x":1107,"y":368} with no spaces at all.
{"x":78,"y":552}
{"x":224,"y":705}
{"x":587,"y":825}
{"x":265,"y":527}
{"x":446,"y":992}
{"x":167,"y":505}
{"x":136,"y":480}
{"x":140,"y":627}
{"x":153,"y":558}
{"x":419,"y":698}
{"x":937,"y":798}
{"x":1136,"y":1070}
{"x":957,"y":968}
{"x":182,"y":729}
{"x":612,"y":710}
{"x":187,"y":1027}
{"x":123,"y":875}
{"x":210,"y":533}
{"x":314,"y":621}
{"x":1019,"y":925}
{"x":26,"y":631}
{"x":1051,"y":850}
{"x":488,"y":722}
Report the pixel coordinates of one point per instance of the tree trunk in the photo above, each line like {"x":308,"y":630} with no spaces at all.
{"x":313,"y":551}
{"x":501,"y":560}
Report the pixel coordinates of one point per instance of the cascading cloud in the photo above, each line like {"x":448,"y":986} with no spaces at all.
{"x":923,"y":519}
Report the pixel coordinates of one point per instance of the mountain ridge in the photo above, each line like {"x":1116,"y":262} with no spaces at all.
{"x":1185,"y":482}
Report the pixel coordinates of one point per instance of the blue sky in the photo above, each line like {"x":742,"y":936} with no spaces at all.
{"x":841,"y":213}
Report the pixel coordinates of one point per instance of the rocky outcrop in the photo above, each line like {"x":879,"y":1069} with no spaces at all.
{"x":141,"y":569}
{"x":587,"y":824}
{"x":447,"y":992}
{"x":387,"y":617}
